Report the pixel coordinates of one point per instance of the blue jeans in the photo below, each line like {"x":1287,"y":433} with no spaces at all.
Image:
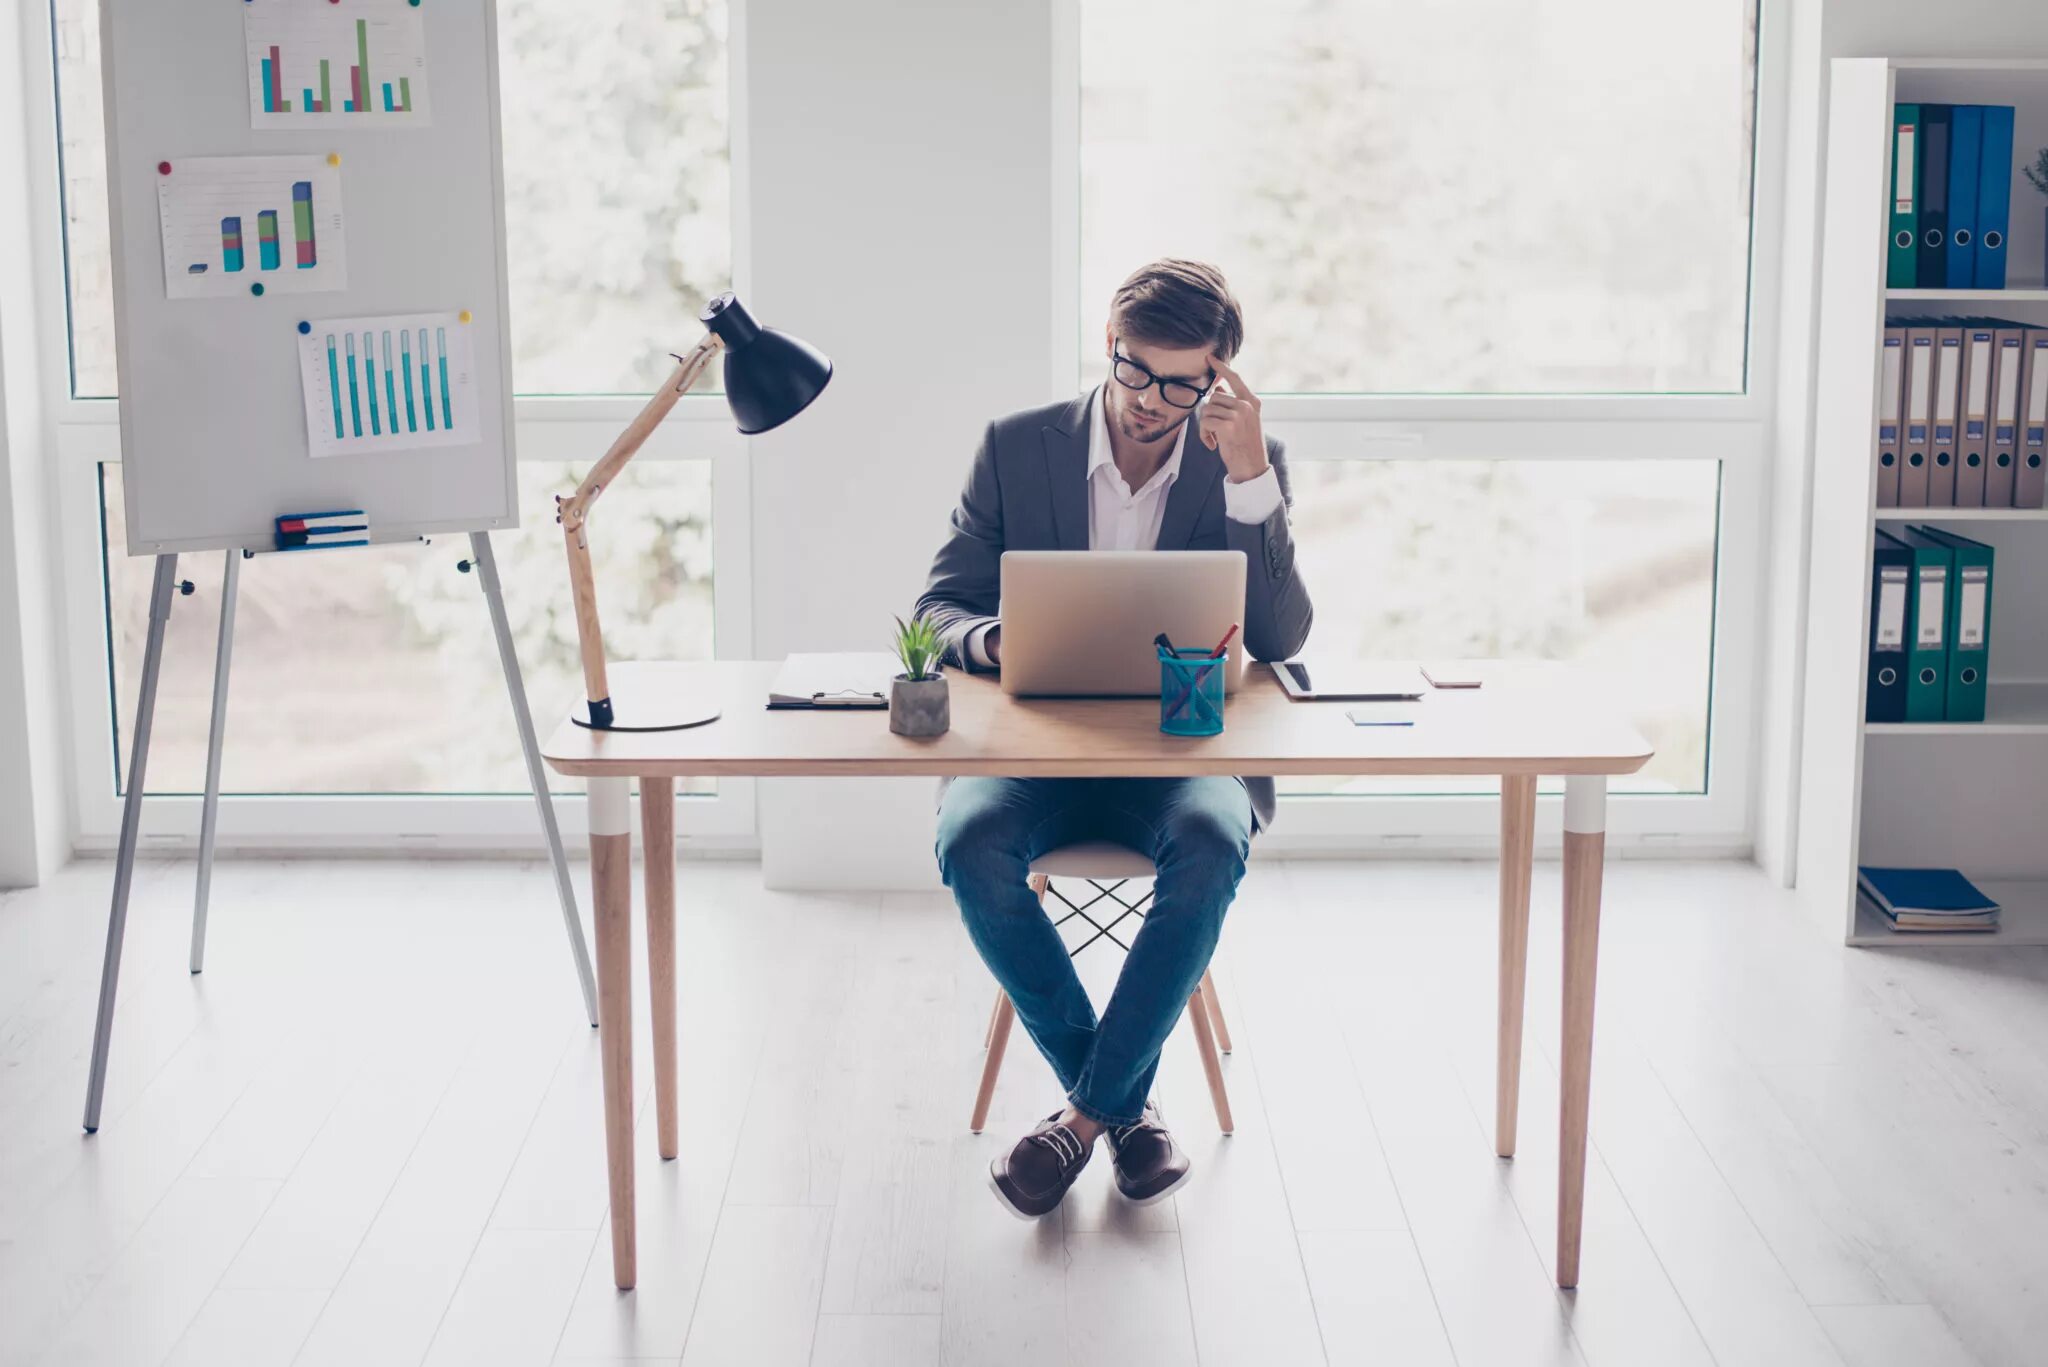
{"x":1197,"y":830}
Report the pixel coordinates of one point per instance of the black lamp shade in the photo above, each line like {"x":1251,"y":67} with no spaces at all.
{"x":770,"y":377}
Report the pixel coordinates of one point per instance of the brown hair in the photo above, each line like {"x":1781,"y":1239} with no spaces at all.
{"x":1178,"y":303}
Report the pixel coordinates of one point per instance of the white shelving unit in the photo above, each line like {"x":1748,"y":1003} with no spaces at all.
{"x":1972,"y":796}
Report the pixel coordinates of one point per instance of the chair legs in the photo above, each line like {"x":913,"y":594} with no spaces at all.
{"x":1205,"y":1013}
{"x":1215,"y":1009}
{"x":1212,"y":1065}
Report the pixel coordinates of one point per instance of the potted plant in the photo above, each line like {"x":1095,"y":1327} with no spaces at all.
{"x":918,"y":703}
{"x":2037,"y":176}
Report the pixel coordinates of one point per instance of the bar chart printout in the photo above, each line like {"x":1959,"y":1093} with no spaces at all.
{"x":206,"y":207}
{"x":354,"y":64}
{"x":393,"y":383}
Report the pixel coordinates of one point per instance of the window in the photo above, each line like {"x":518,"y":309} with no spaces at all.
{"x":1606,"y":564}
{"x":1485,"y":198}
{"x":375,"y":671}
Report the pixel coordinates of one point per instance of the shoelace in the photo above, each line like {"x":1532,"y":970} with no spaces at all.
{"x":1122,"y":1133}
{"x":1064,"y":1145}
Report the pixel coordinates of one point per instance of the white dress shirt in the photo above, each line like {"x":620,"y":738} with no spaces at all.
{"x":1124,"y":519}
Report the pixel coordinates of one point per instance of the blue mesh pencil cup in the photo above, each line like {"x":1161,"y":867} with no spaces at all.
{"x":1191,"y":692}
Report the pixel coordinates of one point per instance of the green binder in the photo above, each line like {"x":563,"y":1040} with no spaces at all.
{"x":1926,"y":627}
{"x":1901,"y":270}
{"x":1969,"y":624}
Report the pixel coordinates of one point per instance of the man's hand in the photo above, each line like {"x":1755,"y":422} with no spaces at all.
{"x":1230,"y":425}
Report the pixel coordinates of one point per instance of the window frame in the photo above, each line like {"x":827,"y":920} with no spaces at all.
{"x":86,"y":432}
{"x":1735,"y":429}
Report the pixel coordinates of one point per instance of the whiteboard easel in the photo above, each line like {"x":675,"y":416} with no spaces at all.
{"x":216,"y":429}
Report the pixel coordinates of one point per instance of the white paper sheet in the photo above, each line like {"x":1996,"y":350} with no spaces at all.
{"x":360,"y":64}
{"x":231,"y":223}
{"x":397,"y":382}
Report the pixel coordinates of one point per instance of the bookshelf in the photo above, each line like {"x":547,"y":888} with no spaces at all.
{"x":1966,"y":795}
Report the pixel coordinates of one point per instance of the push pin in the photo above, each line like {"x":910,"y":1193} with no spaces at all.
{"x":304,"y":327}
{"x":463,"y":316}
{"x":462,"y":565}
{"x":185,"y":587}
{"x":163,"y":168}
{"x":334,"y":158}
{"x":256,"y":288}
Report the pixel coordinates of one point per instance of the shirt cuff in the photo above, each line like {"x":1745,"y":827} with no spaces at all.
{"x":1254,"y":500}
{"x":977,"y":650}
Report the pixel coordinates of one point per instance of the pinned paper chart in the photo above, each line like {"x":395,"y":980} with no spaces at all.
{"x":356,"y":64}
{"x":251,"y":225}
{"x":395,"y":383}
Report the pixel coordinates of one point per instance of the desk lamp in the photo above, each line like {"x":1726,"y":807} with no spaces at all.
{"x":770,"y":377}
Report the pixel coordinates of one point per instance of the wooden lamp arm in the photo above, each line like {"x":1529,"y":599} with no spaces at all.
{"x":573,"y":513}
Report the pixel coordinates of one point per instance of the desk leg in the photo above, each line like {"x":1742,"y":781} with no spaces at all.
{"x":1585,"y":841}
{"x":1517,"y":847}
{"x":611,"y":894}
{"x":658,"y":850}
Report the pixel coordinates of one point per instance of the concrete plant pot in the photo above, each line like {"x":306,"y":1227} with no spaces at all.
{"x":919,"y":707}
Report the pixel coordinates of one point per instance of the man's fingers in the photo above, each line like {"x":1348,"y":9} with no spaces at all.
{"x":1222,"y":401}
{"x":1237,"y":384}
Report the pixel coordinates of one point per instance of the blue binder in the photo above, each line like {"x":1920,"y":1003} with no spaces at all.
{"x":1936,"y":123}
{"x":1994,"y":197}
{"x":1965,"y":145}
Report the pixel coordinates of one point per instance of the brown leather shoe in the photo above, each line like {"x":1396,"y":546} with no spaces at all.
{"x":1032,"y":1177}
{"x":1149,"y":1165}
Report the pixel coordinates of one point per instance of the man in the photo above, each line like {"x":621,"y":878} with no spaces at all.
{"x":1167,"y":455}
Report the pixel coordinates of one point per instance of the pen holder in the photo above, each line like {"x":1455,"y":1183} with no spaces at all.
{"x":1191,"y":692}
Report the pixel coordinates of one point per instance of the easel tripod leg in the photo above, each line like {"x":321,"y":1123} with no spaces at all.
{"x":209,"y":812}
{"x":536,"y":776}
{"x":131,"y":821}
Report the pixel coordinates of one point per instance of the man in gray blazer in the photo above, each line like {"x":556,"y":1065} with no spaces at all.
{"x":1168,"y":455}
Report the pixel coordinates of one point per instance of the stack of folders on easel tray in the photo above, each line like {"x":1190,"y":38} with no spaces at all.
{"x":1962,"y":414}
{"x":320,"y":531}
{"x":1927,"y":899}
{"x":1930,"y":627}
{"x":1951,"y":196}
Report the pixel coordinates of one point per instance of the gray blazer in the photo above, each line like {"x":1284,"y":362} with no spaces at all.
{"x":1028,"y":491}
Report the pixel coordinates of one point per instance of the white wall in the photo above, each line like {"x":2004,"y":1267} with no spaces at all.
{"x":33,"y":834}
{"x":1822,"y":30}
{"x":931,"y":291}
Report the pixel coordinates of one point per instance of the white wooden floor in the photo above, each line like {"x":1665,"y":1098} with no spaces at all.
{"x":370,"y":1134}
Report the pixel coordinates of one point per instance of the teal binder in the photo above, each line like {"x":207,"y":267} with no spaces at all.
{"x":1902,"y":259}
{"x":1969,"y":623}
{"x":1927,"y":628}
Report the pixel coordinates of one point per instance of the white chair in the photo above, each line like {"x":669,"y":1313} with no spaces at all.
{"x":1105,"y":867}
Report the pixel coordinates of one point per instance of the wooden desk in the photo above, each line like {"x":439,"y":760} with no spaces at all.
{"x":1527,"y":721}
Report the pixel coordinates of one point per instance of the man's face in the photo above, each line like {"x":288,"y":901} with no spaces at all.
{"x":1141,"y":414}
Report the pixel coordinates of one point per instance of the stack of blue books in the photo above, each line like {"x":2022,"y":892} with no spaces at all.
{"x":1927,"y":899}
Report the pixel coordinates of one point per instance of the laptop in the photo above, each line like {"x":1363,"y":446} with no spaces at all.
{"x":1081,"y":623}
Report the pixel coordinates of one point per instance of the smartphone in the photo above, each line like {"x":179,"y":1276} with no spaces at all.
{"x":1451,"y":676}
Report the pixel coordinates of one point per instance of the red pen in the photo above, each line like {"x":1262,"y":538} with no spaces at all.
{"x":1223,"y":644}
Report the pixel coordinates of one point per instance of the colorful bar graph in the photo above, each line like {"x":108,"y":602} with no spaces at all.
{"x":302,"y":223}
{"x":231,"y":244}
{"x":266,"y":238}
{"x":334,"y":386}
{"x":441,"y":351}
{"x":426,"y":389}
{"x":355,"y":404}
{"x":390,"y":394}
{"x":405,"y":362}
{"x":362,"y":68}
{"x":370,"y":380}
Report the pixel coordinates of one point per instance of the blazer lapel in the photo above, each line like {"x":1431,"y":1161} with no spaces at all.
{"x":1066,"y":474}
{"x":1199,"y":470}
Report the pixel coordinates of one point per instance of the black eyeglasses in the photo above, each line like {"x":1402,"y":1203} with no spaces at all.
{"x":1179,"y":393}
